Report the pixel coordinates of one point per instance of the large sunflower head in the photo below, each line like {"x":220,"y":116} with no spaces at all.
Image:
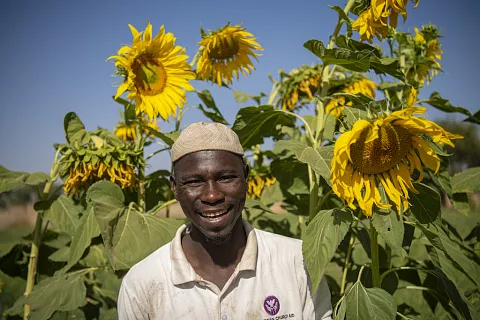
{"x":363,"y":85}
{"x":156,"y":72}
{"x":380,"y":156}
{"x":298,"y":86}
{"x":226,"y":52}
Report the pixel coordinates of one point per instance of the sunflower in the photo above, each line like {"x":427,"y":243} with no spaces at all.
{"x":363,"y":85}
{"x":156,"y":72}
{"x":256,"y":185}
{"x":226,"y":52}
{"x":86,"y":173}
{"x":373,"y":21}
{"x":301,"y":83}
{"x":383,"y":155}
{"x":129,"y":132}
{"x":427,"y":43}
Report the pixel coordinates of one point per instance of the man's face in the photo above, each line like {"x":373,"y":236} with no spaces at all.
{"x":211,"y":187}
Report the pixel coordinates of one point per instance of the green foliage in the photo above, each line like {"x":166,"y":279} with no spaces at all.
{"x":467,"y":181}
{"x":369,"y":303}
{"x":10,"y":180}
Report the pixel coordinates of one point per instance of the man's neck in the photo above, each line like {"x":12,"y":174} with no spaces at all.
{"x":200,"y":251}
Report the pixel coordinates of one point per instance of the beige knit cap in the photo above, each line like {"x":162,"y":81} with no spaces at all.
{"x":206,"y":136}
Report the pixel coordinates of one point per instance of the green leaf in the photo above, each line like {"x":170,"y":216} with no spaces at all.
{"x":110,"y":314}
{"x":10,"y":180}
{"x":63,"y":214}
{"x":389,"y":66}
{"x":75,"y":130}
{"x":466,"y":181}
{"x":440,"y":103}
{"x":463,"y":224}
{"x":215,"y":117}
{"x":11,"y":237}
{"x":439,"y":240}
{"x":321,"y":239}
{"x":136,"y":235}
{"x":474,"y":118}
{"x":255,"y":204}
{"x":61,"y":255}
{"x":96,"y":257}
{"x":319,"y":160}
{"x":109,"y":284}
{"x":391,"y":229}
{"x":353,"y":114}
{"x":347,"y":43}
{"x":87,"y":230}
{"x":460,"y":203}
{"x":63,"y":293}
{"x":329,"y":128}
{"x":425,"y":205}
{"x":207,"y":99}
{"x":169,"y":137}
{"x":243,"y":97}
{"x":358,"y":61}
{"x":369,"y":303}
{"x":11,"y":288}
{"x":272,"y":194}
{"x":252,"y":124}
{"x":76,"y":314}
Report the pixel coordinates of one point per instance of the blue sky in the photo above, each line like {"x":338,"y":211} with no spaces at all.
{"x":53,"y":59}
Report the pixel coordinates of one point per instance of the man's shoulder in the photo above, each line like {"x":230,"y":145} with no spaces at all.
{"x":275,"y":241}
{"x":152,"y":267}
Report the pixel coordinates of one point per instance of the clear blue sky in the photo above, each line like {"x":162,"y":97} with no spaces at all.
{"x":53,"y":55}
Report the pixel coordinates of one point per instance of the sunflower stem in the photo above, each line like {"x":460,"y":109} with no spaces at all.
{"x":326,"y":75}
{"x":141,"y":170}
{"x":37,"y":238}
{"x":374,"y":251}
{"x":347,"y":261}
{"x":313,"y":193}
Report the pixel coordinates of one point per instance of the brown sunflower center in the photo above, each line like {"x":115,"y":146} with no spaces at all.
{"x":150,"y":76}
{"x":224,"y":48}
{"x":380,"y":155}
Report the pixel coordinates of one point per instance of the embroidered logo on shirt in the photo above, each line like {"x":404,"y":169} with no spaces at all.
{"x":271,"y":305}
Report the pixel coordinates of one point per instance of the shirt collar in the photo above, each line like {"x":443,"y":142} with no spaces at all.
{"x":182,"y":271}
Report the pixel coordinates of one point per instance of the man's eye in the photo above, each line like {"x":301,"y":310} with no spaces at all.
{"x":193,"y":182}
{"x":227,"y":178}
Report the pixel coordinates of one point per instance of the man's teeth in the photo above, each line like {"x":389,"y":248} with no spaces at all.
{"x":214,"y":214}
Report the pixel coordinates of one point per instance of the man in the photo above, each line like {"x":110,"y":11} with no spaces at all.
{"x":218,"y":266}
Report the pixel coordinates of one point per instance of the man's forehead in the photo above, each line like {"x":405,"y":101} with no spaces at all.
{"x":207,"y":161}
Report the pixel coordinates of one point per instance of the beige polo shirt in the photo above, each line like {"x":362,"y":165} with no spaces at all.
{"x":270,"y":282}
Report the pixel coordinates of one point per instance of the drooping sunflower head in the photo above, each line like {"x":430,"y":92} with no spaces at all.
{"x":129,"y":132}
{"x":378,"y":158}
{"x":362,"y":85}
{"x":299,"y":85}
{"x":156,"y":72}
{"x":256,"y":185}
{"x":226,"y":52}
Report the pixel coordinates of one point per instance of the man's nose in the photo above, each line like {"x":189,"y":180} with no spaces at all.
{"x":212,"y":193}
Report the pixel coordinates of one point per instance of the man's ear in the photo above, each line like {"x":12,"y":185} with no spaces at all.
{"x":173,"y":185}
{"x":246,"y":171}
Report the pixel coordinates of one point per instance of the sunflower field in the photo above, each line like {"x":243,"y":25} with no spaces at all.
{"x":355,"y":170}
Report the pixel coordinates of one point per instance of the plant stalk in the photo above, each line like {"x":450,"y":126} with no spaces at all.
{"x":33,"y":260}
{"x":312,"y":175}
{"x":347,"y":261}
{"x":141,"y":170}
{"x":375,"y":262}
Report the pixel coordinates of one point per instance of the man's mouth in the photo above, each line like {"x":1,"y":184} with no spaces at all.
{"x":214,"y":213}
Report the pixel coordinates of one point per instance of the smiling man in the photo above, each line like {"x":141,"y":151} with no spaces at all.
{"x":218,"y":266}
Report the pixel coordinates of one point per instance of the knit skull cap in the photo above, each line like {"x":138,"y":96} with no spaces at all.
{"x":201,"y":136}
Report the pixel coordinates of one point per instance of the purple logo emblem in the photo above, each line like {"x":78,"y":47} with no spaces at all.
{"x":271,"y":305}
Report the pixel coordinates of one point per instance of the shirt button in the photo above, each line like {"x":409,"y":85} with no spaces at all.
{"x":224,"y":317}
{"x":202,"y":284}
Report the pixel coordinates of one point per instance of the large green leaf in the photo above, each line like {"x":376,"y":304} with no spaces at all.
{"x":128,"y":235}
{"x":440,"y":103}
{"x":87,"y":230}
{"x":475,"y":118}
{"x":463,"y":224}
{"x":352,"y":60}
{"x":389,"y":66}
{"x":353,"y":114}
{"x":10,"y":180}
{"x":426,"y":205}
{"x":253,"y":124}
{"x":63,"y":214}
{"x":347,"y":43}
{"x":109,"y":284}
{"x":391,"y":229}
{"x":11,"y":237}
{"x":63,"y":293}
{"x":11,"y":288}
{"x":75,"y":130}
{"x":321,"y":239}
{"x":440,"y":240}
{"x":369,"y":304}
{"x":136,"y":235}
{"x":210,"y":109}
{"x":319,"y":160}
{"x":466,"y":181}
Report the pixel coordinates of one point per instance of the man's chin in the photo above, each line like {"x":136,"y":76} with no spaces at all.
{"x":218,"y":239}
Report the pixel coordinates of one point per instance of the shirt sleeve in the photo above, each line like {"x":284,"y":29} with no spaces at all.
{"x":129,"y":304}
